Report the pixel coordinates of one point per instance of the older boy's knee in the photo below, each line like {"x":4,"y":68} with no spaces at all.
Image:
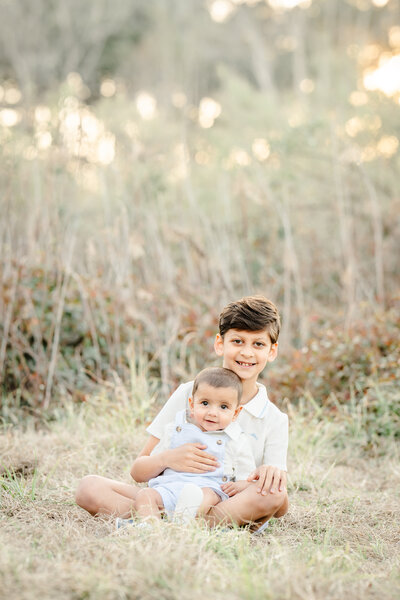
{"x":272,"y":504}
{"x":86,"y":493}
{"x":146,"y":496}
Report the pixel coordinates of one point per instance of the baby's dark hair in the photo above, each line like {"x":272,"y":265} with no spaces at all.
{"x":252,"y":313}
{"x":219,"y":377}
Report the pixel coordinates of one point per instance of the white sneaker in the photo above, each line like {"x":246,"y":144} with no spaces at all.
{"x":130,"y":523}
{"x":188,"y":504}
{"x":122,"y":523}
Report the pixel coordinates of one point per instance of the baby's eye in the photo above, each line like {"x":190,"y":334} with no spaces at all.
{"x":204,"y":403}
{"x":224,"y":406}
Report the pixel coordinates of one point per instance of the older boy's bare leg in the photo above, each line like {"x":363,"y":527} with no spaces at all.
{"x":248,"y":506}
{"x":103,"y":496}
{"x":148,"y":503}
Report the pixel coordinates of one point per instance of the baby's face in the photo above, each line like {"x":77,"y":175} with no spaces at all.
{"x":213,"y":408}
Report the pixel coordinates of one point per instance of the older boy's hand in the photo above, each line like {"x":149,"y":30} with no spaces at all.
{"x":270,"y":479}
{"x":191,"y":458}
{"x":234,"y":487}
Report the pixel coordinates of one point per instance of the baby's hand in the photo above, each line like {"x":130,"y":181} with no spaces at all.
{"x":234,"y":487}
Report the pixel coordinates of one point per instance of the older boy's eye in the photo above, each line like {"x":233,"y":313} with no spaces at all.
{"x":236,"y":341}
{"x":260,"y":344}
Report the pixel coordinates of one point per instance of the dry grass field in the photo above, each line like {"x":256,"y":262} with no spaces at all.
{"x":340,"y":538}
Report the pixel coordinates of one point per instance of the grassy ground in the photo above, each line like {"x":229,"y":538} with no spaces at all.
{"x":340,"y":538}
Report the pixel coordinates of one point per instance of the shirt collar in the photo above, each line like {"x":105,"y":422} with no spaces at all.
{"x":233,"y":430}
{"x":258,"y":405}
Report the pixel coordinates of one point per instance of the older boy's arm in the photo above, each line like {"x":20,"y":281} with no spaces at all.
{"x":271,"y":475}
{"x":145,"y":466}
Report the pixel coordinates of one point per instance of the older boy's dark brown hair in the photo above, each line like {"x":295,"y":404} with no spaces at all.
{"x":252,"y":313}
{"x":219,"y":377}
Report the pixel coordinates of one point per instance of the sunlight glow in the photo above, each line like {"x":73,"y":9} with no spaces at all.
{"x":220,"y":10}
{"x":85,"y":136}
{"x":106,"y":149}
{"x":289,"y":4}
{"x":179,"y":99}
{"x":44,"y":140}
{"x":91,"y":126}
{"x":357,"y":98}
{"x":354,"y":126}
{"x":386,"y":77}
{"x":181,"y":159}
{"x":306,"y":86}
{"x":42,"y":114}
{"x":388,"y":145}
{"x":146,"y":106}
{"x":209,"y":110}
{"x":108,"y":88}
{"x":240,"y":157}
{"x":12,"y":95}
{"x":394,"y":36}
{"x":9,"y":117}
{"x":261,"y":149}
{"x":380,"y":3}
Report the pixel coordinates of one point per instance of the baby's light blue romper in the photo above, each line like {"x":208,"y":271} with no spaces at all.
{"x":169,"y":485}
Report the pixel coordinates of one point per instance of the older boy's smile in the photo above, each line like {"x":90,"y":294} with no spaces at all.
{"x":243,"y":364}
{"x":245,"y":352}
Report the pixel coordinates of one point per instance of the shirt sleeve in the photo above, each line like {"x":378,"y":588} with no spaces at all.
{"x":276,"y":445}
{"x":177,"y":402}
{"x":245,"y":462}
{"x":165,"y":440}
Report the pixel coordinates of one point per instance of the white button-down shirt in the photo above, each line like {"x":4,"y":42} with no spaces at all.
{"x":263,"y":422}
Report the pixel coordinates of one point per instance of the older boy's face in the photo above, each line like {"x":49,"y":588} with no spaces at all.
{"x":214,"y":408}
{"x":246,"y":352}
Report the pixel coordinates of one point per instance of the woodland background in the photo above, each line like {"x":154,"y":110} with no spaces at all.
{"x":159,"y":159}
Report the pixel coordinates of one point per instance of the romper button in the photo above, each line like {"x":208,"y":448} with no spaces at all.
{"x":224,"y":478}
{"x":179,"y":428}
{"x":219,"y":442}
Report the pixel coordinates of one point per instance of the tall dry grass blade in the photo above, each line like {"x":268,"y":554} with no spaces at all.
{"x":57,"y":328}
{"x":7,"y":319}
{"x":376,"y":219}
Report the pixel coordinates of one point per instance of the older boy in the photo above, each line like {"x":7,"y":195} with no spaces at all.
{"x":247,"y":341}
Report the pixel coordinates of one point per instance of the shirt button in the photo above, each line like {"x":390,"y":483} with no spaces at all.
{"x":224,"y":478}
{"x":219,"y":442}
{"x":179,"y":428}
